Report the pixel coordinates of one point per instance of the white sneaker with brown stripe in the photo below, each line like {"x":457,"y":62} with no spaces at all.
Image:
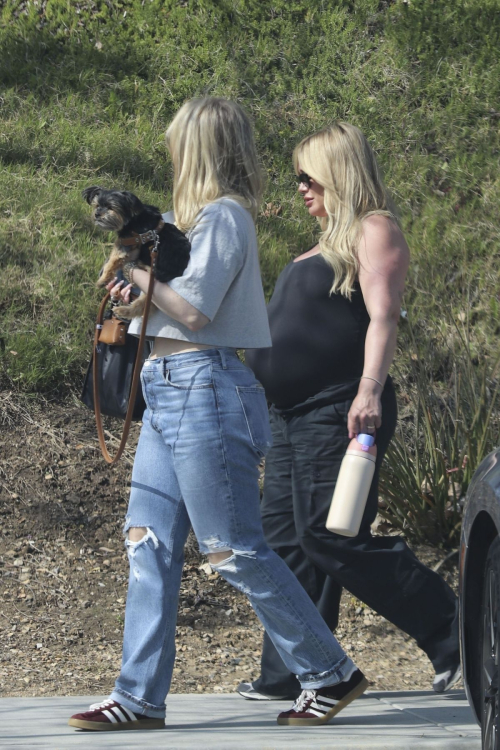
{"x":314,"y":707}
{"x":110,"y":715}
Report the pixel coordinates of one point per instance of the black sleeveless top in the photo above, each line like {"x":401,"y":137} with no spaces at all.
{"x":318,"y":338}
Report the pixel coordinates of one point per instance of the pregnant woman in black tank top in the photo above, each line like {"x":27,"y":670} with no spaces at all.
{"x":333,"y":319}
{"x":318,"y":338}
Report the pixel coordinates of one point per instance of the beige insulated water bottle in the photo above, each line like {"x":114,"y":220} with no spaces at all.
{"x":353,"y":485}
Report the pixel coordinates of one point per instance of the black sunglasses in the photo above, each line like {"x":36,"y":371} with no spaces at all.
{"x":303,"y":178}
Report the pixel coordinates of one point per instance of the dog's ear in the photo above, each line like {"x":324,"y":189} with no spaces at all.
{"x":132,"y":202}
{"x":90,"y":193}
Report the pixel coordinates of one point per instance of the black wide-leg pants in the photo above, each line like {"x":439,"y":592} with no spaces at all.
{"x":301,"y":471}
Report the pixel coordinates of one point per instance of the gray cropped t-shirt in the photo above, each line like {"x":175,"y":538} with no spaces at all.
{"x":222,"y":280}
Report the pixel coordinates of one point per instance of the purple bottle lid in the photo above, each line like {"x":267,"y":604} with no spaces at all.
{"x":365,"y":441}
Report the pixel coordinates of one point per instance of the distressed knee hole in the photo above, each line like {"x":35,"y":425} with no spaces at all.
{"x":136,"y":533}
{"x":221,"y":555}
{"x":226,"y":560}
{"x":215,"y":558}
{"x":137,"y":537}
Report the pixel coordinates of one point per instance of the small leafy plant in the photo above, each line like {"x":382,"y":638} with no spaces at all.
{"x":449,"y":423}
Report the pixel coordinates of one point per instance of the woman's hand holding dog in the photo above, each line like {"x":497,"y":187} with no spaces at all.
{"x":163,"y":296}
{"x":118,"y":292}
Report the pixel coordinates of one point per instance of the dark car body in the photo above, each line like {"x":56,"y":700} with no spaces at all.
{"x":480,"y":529}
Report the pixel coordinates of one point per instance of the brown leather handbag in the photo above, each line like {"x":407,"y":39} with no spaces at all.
{"x":113,"y":331}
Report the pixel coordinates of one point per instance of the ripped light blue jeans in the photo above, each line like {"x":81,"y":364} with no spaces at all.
{"x":205,"y":431}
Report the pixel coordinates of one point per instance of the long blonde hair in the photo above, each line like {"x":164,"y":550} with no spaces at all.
{"x":340,"y":159}
{"x":213,"y":151}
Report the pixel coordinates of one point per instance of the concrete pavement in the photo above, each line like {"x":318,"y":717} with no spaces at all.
{"x":379,"y":721}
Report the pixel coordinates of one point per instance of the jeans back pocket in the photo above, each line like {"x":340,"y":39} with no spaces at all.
{"x":254,"y":404}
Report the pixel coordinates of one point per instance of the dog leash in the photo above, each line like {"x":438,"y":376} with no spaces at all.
{"x":112,"y":460}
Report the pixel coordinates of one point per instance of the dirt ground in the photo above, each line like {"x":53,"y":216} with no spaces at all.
{"x":64,"y":576}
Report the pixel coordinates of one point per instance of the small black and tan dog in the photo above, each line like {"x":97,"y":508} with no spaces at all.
{"x":138,"y":226}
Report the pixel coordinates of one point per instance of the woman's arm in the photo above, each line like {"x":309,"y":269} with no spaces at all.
{"x":166,"y":300}
{"x":383,"y":263}
{"x":217,"y":254}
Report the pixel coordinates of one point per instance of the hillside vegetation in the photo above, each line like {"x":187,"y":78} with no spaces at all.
{"x":88,"y":88}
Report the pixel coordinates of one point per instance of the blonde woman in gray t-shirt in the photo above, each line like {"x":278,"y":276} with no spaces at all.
{"x":205,"y":431}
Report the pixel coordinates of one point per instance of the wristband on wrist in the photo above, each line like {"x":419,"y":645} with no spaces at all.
{"x":367,"y":377}
{"x":128,"y":270}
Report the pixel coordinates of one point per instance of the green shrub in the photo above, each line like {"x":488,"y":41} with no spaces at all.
{"x":449,"y":422}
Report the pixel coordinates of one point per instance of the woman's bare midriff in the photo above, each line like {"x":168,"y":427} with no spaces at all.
{"x":165,"y":347}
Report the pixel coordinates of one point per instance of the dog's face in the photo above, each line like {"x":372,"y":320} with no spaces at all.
{"x":113,"y":209}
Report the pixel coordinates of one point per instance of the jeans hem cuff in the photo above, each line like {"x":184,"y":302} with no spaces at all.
{"x":137,"y":704}
{"x":331,"y":677}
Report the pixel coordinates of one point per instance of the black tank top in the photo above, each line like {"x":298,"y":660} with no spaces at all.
{"x":318,"y":338}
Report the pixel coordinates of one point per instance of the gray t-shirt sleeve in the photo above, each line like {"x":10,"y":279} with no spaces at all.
{"x":216,"y":258}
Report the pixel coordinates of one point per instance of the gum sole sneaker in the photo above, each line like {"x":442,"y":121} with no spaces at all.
{"x":315,"y":707}
{"x":111,"y":716}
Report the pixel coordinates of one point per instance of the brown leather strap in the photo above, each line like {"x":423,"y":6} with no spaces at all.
{"x":111,"y":460}
{"x":142,"y":239}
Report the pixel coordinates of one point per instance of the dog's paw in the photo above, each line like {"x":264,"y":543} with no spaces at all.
{"x":124,"y":311}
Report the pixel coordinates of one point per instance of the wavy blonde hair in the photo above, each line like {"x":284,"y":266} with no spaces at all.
{"x":213,"y":151}
{"x":340,"y":159}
